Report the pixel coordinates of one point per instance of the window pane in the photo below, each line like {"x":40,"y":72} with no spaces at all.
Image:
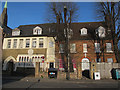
{"x":9,"y":44}
{"x":98,"y":59}
{"x":84,"y":47}
{"x":72,"y":48}
{"x":15,"y":43}
{"x":39,"y":31}
{"x":83,"y":31}
{"x":108,"y":47}
{"x":61,"y":48}
{"x":34,"y":42}
{"x":41,"y":42}
{"x":27,"y":42}
{"x":97,"y":47}
{"x":110,"y":60}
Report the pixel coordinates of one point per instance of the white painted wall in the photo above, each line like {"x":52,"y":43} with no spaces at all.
{"x":50,"y":50}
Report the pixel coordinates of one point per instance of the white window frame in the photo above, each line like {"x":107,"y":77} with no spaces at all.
{"x":97,"y":47}
{"x":37,"y":31}
{"x":101,"y":32}
{"x":73,"y":48}
{"x":28,"y":43}
{"x":84,"y":47}
{"x":34,"y":43}
{"x":109,"y":49}
{"x":9,"y":43}
{"x":15,"y":43}
{"x":41,"y":42}
{"x":83,"y":31}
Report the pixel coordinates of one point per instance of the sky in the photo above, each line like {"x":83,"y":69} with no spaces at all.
{"x":25,"y":13}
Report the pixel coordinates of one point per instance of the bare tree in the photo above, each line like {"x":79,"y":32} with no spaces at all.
{"x":63,"y":13}
{"x":56,"y":9}
{"x":110,"y":13}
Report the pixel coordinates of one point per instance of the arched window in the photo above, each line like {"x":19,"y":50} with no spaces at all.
{"x":83,"y":31}
{"x":37,"y":31}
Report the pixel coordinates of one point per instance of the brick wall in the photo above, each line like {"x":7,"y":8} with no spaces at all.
{"x":91,"y":55}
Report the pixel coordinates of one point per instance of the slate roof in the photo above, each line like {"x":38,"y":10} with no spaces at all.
{"x":49,"y":29}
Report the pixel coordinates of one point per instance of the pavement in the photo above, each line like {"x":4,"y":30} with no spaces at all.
{"x":32,"y":82}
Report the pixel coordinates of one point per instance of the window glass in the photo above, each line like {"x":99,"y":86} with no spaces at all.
{"x":108,"y":47}
{"x":27,"y":42}
{"x":19,"y":59}
{"x":61,"y":48}
{"x":84,"y":47}
{"x":98,"y":59}
{"x":109,"y":60}
{"x":9,"y":44}
{"x":73,"y":48}
{"x":24,"y":59}
{"x":34,"y":42}
{"x":83,"y":31}
{"x":101,"y":31}
{"x":37,"y":30}
{"x":97,"y":47}
{"x":41,"y":42}
{"x":15,"y":43}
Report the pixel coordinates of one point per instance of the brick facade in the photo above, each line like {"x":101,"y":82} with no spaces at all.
{"x":91,"y":55}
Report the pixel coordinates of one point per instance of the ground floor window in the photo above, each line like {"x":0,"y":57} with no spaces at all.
{"x":61,"y":64}
{"x":98,"y":59}
{"x":109,"y":60}
{"x":74,"y":64}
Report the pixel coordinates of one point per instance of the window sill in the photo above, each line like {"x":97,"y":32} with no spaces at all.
{"x":109,"y":51}
{"x":73,"y":52}
{"x":85,"y":52}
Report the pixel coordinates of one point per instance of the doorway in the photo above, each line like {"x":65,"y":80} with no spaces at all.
{"x":85,"y":68}
{"x":10,"y":67}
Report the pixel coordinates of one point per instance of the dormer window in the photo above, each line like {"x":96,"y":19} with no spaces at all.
{"x":83,"y":31}
{"x":37,"y":31}
{"x":101,"y":32}
{"x":16,"y":32}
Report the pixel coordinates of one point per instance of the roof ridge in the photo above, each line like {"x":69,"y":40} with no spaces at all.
{"x":55,"y":23}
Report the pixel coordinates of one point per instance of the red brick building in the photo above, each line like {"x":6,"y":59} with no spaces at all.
{"x":90,"y":42}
